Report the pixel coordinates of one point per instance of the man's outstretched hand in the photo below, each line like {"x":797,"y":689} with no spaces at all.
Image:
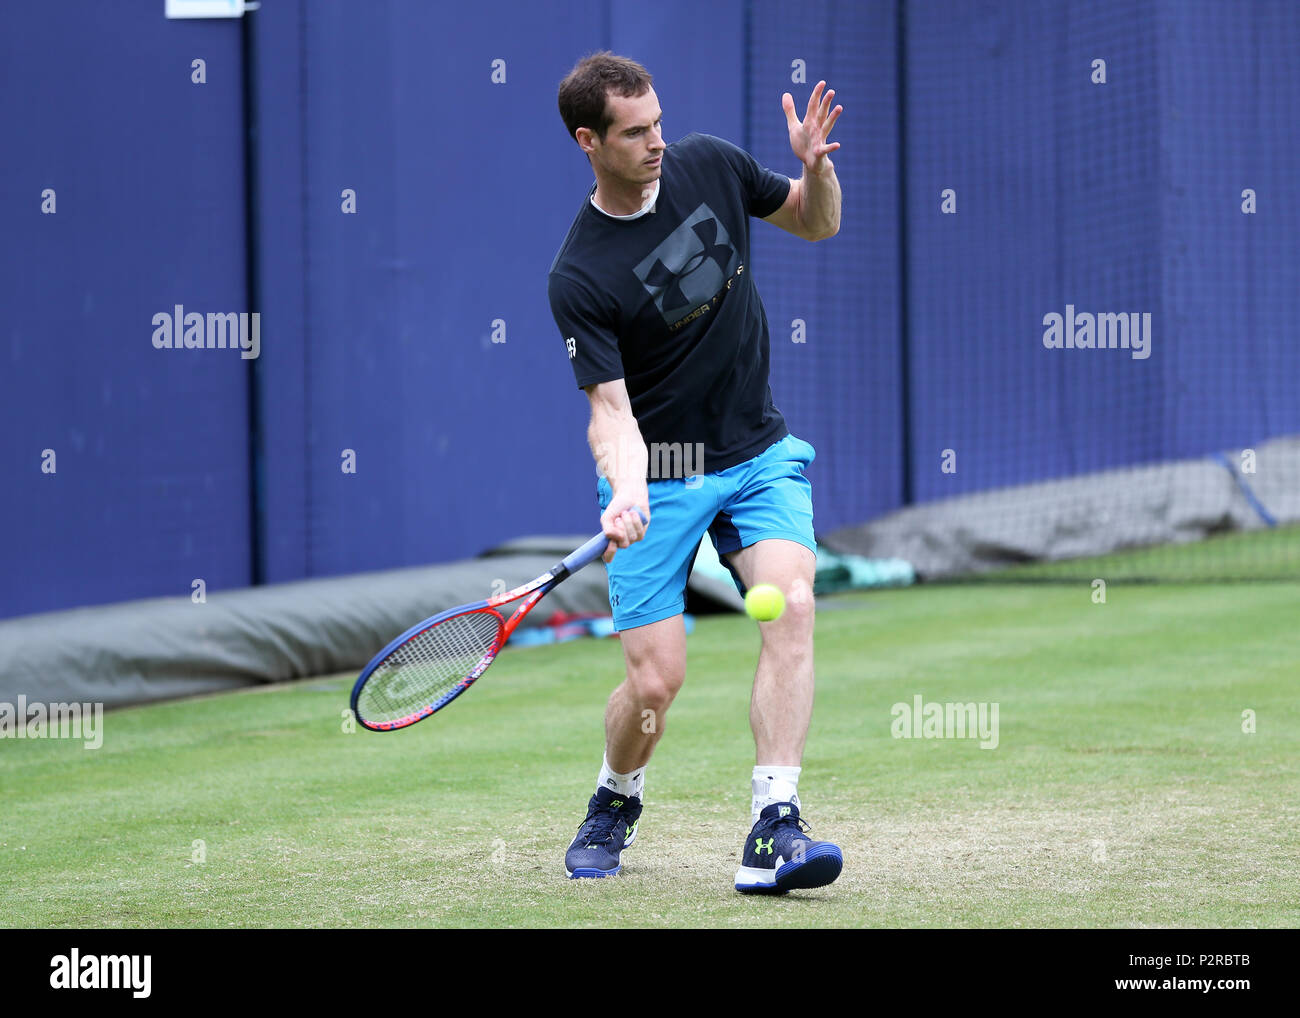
{"x":808,"y":137}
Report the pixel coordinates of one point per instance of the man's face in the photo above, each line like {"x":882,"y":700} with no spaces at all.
{"x":634,"y":143}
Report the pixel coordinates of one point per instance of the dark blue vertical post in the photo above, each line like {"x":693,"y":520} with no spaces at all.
{"x":256,"y":516}
{"x":904,"y":362}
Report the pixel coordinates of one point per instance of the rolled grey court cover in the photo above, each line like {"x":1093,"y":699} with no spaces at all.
{"x":1090,"y":515}
{"x":170,"y":647}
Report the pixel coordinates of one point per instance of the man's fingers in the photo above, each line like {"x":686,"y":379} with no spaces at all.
{"x":830,"y":121}
{"x":632,"y":526}
{"x":824,"y":106}
{"x":787,"y":104}
{"x":623,"y":527}
{"x":814,"y":99}
{"x":622,"y":530}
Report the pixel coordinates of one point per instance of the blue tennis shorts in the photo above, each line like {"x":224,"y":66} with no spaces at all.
{"x":765,"y":497}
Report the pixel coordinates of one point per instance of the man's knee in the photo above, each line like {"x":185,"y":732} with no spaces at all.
{"x":654,"y":687}
{"x":655,"y":674}
{"x":792,"y":633}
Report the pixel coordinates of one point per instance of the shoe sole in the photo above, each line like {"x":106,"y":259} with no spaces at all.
{"x":585,"y":872}
{"x":820,"y":866}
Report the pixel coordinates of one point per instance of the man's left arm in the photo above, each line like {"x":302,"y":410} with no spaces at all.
{"x":812,"y":208}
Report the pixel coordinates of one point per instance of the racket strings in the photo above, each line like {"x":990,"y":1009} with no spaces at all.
{"x":428,"y":666}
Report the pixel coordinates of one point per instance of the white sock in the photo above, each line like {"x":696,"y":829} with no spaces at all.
{"x":632,"y":783}
{"x":773,"y":784}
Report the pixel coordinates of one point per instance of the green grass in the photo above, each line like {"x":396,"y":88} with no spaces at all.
{"x":1123,"y":791}
{"x":1270,"y":554}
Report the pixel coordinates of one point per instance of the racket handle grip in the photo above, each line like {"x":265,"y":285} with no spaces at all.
{"x":590,"y":551}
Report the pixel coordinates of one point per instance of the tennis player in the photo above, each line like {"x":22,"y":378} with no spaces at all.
{"x":653,"y":295}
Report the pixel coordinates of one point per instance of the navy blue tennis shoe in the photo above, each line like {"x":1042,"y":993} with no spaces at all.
{"x":609,"y":828}
{"x":779,"y":857}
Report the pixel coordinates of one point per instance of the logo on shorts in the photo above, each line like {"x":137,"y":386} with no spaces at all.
{"x":690,"y":268}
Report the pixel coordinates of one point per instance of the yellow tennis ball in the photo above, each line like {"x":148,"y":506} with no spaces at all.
{"x":764,"y":602}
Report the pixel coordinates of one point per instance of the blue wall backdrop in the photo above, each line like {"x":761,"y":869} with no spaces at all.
{"x":912,"y":332}
{"x":839,"y":384}
{"x":150,"y":487}
{"x":1120,"y":197}
{"x":1056,"y":183}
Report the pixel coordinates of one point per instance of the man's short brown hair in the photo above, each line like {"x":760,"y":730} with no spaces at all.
{"x":583,"y":91}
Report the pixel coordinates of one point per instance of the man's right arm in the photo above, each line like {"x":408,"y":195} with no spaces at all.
{"x":620,"y":453}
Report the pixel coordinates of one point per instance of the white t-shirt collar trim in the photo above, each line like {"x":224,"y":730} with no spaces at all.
{"x":647,"y":207}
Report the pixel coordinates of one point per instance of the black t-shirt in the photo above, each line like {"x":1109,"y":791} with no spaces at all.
{"x":666,"y":301}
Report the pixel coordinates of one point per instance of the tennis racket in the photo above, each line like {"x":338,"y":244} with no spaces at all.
{"x":432,"y":663}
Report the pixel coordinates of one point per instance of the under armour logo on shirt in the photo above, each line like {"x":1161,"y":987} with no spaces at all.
{"x":571,"y":344}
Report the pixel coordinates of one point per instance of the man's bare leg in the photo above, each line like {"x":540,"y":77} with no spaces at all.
{"x":781,"y":706}
{"x":656,"y":668}
{"x":779,"y":855}
{"x":634,"y":722}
